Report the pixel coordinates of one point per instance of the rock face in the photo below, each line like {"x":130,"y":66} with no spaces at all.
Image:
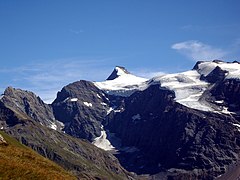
{"x":188,"y":142}
{"x":28,"y":103}
{"x":228,"y":91}
{"x":215,"y":76}
{"x":81,"y":106}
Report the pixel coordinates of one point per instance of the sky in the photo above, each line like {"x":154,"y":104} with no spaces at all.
{"x":45,"y":45}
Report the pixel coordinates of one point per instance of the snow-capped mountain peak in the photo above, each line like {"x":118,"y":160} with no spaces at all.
{"x":121,"y":82}
{"x":118,"y":71}
{"x":189,"y":86}
{"x":206,"y":67}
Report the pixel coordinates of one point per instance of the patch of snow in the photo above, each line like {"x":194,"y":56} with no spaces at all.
{"x":87,"y":104}
{"x":109,"y":110}
{"x":109,"y":142}
{"x":136,"y":117}
{"x":237,"y":125}
{"x":102,"y":141}
{"x":2,"y":127}
{"x":1,"y":96}
{"x":66,"y":99}
{"x":99,"y":96}
{"x":2,"y":140}
{"x":74,"y":99}
{"x":219,"y":102}
{"x":225,"y":111}
{"x":117,"y":111}
{"x":187,"y":86}
{"x":104,"y":104}
{"x":53,"y":126}
{"x":60,"y":124}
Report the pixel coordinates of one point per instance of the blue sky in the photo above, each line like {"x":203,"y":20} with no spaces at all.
{"x":45,"y":45}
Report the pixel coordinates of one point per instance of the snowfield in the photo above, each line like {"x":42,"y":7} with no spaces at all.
{"x":124,"y":85}
{"x":102,"y":141}
{"x":106,"y":140}
{"x":188,"y":88}
{"x":187,"y":85}
{"x":233,"y":68}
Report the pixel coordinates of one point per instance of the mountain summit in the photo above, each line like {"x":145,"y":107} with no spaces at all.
{"x":121,"y":82}
{"x":118,"y":71}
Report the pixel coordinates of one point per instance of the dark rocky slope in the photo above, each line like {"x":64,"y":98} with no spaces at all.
{"x":183,"y":142}
{"x":228,"y":91}
{"x":82,"y":107}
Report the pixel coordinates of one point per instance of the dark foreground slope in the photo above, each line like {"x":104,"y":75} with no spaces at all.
{"x":20,"y":162}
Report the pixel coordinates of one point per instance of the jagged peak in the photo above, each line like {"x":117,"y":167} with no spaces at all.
{"x":229,"y":69}
{"x":118,"y":71}
{"x":215,"y":61}
{"x":11,"y":90}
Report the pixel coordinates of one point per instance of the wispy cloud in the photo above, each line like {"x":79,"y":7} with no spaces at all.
{"x":74,"y":31}
{"x":147,"y":73}
{"x":197,"y":50}
{"x":47,"y":78}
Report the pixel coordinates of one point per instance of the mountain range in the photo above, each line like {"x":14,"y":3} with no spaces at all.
{"x":173,"y":126}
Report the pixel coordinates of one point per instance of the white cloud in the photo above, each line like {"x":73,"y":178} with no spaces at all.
{"x":196,"y":50}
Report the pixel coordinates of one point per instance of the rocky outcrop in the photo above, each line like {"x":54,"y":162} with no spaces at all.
{"x":82,"y":107}
{"x":27,"y":103}
{"x":187,"y":142}
{"x":228,"y":91}
{"x":215,"y":76}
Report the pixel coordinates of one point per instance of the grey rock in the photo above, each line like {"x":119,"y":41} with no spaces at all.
{"x":82,"y":107}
